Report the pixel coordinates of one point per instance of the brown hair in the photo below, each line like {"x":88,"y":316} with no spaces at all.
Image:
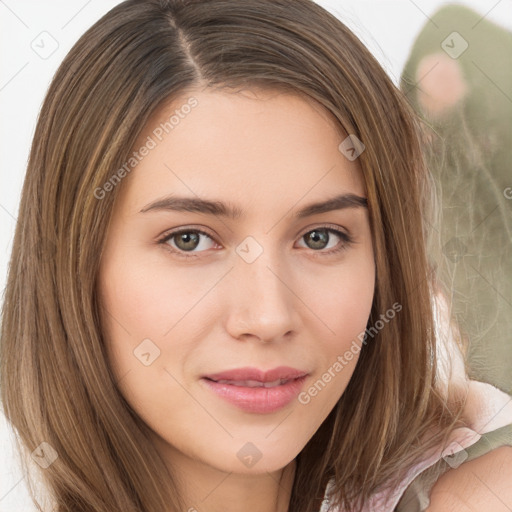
{"x":56,"y":385}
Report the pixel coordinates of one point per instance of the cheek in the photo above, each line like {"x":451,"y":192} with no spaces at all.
{"x":343,"y":305}
{"x":134,"y":309}
{"x":343,"y":298}
{"x":144,"y":297}
{"x":142,"y":307}
{"x":152,"y":318}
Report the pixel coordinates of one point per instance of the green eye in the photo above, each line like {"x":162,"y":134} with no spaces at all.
{"x":186,"y":241}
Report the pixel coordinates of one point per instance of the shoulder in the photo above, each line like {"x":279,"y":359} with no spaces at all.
{"x":483,"y":484}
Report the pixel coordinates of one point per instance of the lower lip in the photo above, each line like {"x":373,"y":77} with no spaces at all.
{"x":258,"y":400}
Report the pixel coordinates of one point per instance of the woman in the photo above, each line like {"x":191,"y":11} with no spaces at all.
{"x":220,"y":257}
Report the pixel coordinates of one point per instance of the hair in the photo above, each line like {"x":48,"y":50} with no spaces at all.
{"x":56,"y":385}
{"x":469,"y":156}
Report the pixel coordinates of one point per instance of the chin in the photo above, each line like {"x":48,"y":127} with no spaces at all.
{"x":259,"y":456}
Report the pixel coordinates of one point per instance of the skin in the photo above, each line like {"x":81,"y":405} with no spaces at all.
{"x":270,"y":154}
{"x":479,"y":485}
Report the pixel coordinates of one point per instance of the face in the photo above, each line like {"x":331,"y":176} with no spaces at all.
{"x":233,"y":336}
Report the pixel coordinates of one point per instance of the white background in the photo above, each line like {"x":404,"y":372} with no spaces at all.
{"x":387,"y":27}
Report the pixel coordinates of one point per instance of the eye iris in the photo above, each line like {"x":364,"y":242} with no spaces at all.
{"x":189,"y":240}
{"x":187,"y":237}
{"x":317,"y":235}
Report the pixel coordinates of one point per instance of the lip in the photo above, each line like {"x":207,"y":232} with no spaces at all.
{"x":261,"y":400}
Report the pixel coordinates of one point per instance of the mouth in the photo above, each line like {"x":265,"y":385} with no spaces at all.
{"x":252,"y":383}
{"x":257,"y":391}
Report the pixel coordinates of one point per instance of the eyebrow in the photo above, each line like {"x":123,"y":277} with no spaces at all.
{"x":197,"y":205}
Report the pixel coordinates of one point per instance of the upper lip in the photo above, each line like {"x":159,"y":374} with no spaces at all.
{"x":250,"y":373}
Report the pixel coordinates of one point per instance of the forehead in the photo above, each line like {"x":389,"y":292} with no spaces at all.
{"x":250,"y":145}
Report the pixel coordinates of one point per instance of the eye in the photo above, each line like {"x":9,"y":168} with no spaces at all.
{"x":183,"y":241}
{"x":320,"y":237}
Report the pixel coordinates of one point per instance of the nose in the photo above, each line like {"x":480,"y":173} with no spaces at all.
{"x":261,"y":301}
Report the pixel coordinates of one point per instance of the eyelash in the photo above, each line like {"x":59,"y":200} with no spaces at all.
{"x":343,"y":245}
